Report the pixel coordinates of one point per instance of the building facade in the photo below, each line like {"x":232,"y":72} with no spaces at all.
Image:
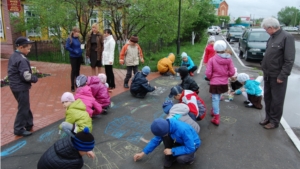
{"x":5,"y":31}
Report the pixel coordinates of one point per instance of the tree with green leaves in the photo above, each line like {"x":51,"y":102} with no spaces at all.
{"x":290,"y":16}
{"x":238,"y":20}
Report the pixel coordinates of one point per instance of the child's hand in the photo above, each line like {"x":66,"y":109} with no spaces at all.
{"x":168,"y":151}
{"x":142,"y":60}
{"x":90,"y":154}
{"x":155,"y":87}
{"x":138,"y":156}
{"x":121,"y":62}
{"x":243,"y":89}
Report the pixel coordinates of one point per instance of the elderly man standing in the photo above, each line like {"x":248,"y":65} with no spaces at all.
{"x":276,"y":65}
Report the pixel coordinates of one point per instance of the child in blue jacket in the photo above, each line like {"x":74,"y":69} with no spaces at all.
{"x":180,"y":139}
{"x":188,"y":62}
{"x":251,"y":91}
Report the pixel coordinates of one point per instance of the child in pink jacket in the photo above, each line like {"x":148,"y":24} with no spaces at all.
{"x":84,"y":93}
{"x":218,"y":69}
{"x":100,"y":90}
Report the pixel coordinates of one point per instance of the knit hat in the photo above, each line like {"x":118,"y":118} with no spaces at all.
{"x":81,"y":80}
{"x":67,"y":97}
{"x":160,"y":127}
{"x":167,"y":105}
{"x":242,"y":77}
{"x":102,"y":77}
{"x":175,"y":91}
{"x":146,"y":70}
{"x":134,"y":39}
{"x":220,"y":46}
{"x":22,"y":41}
{"x":211,"y":39}
{"x":180,"y":108}
{"x":184,"y":55}
{"x":84,"y":140}
{"x":183,"y":71}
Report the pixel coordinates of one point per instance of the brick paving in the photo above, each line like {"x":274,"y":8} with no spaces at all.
{"x":45,"y":96}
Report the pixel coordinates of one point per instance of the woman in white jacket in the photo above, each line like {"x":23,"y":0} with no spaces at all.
{"x":108,"y":57}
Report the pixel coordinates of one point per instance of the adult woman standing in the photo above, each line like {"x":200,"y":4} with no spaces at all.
{"x":108,"y":57}
{"x":73,"y":45}
{"x":94,"y":48}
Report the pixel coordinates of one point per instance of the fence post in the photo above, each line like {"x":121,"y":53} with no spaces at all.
{"x":36,"y":56}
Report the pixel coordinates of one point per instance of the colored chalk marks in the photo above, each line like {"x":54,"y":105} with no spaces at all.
{"x":13,"y":148}
{"x":228,"y":119}
{"x":127,"y":125}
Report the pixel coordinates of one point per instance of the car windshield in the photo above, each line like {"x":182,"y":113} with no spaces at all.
{"x":235,"y":29}
{"x":259,"y":37}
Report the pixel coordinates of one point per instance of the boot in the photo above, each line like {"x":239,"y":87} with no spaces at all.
{"x":212,"y":112}
{"x":216,"y":119}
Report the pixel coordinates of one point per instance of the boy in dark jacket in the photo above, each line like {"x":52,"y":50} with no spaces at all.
{"x":188,"y":83}
{"x":140,"y":85}
{"x":67,"y":153}
{"x":20,"y":78}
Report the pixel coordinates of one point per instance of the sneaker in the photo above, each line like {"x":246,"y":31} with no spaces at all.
{"x":191,"y":162}
{"x":191,"y":74}
{"x":72,"y":89}
{"x":28,"y":128}
{"x":168,"y":163}
{"x":23,"y":133}
{"x":246,"y":102}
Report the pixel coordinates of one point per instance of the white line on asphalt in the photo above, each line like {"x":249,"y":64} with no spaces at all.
{"x":290,"y":133}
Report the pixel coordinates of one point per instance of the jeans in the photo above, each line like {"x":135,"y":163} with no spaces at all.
{"x":68,"y":128}
{"x":216,"y":103}
{"x":129,"y":74}
{"x":75,"y":69}
{"x":24,"y":116}
{"x":110,"y":76}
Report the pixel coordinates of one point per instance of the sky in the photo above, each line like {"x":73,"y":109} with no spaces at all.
{"x":259,"y":8}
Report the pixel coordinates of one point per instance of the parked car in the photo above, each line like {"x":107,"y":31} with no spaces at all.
{"x":290,"y":28}
{"x":234,"y":33}
{"x":253,"y":43}
{"x":216,"y":30}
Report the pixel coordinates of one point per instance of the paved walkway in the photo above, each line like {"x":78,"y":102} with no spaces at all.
{"x":45,"y":96}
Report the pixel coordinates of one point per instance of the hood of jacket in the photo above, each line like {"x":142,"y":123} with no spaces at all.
{"x":222,"y":59}
{"x":78,"y":105}
{"x":93,"y":80}
{"x":85,"y":91}
{"x":171,"y":57}
{"x":179,"y":108}
{"x":183,"y":71}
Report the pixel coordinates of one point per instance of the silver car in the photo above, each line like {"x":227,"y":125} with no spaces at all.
{"x":214,"y":30}
{"x":234,"y":33}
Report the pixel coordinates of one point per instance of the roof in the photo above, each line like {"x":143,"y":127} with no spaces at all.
{"x":216,"y":3}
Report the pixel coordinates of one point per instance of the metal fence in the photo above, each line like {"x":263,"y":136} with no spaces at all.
{"x":47,"y":51}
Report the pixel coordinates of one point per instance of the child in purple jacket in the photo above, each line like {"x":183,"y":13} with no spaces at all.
{"x":218,"y":69}
{"x":84,"y":93}
{"x":100,"y":90}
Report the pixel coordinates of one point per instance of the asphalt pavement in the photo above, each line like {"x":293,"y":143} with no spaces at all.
{"x":239,"y":141}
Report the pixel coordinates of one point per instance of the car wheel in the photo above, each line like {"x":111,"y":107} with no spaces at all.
{"x":246,"y":56}
{"x":228,"y":40}
{"x":241,"y":54}
{"x":217,"y":33}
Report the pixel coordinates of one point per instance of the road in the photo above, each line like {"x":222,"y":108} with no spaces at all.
{"x":291,"y":111}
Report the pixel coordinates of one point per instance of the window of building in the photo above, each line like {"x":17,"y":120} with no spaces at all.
{"x":94,"y":18}
{"x":1,"y":25}
{"x":106,"y":20}
{"x":30,"y":19}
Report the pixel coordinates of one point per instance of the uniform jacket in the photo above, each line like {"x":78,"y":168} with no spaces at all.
{"x":219,"y":69}
{"x":194,"y":102}
{"x":180,"y":111}
{"x":140,"y":84}
{"x":85,"y":94}
{"x":166,"y":64}
{"x":74,"y":48}
{"x":189,"y":63}
{"x":182,"y":134}
{"x":99,"y":48}
{"x":252,"y":87}
{"x":131,"y":60}
{"x":188,"y":82}
{"x":280,"y":55}
{"x":76,"y":113}
{"x":209,"y":52}
{"x":109,"y":50}
{"x":61,"y":155}
{"x":99,"y":91}
{"x":17,"y":66}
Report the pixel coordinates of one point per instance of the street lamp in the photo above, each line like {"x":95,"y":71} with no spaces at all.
{"x":178,"y":36}
{"x":222,"y":22}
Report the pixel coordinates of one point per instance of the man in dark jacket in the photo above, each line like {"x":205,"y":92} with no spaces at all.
{"x":67,"y":153}
{"x":188,"y":83}
{"x":20,"y":78}
{"x":140,"y":85}
{"x":276,"y":65}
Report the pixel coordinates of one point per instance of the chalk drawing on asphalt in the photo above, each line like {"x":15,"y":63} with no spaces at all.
{"x":123,"y":149}
{"x":141,"y":106}
{"x":158,"y":91}
{"x":102,"y":161}
{"x":228,"y":119}
{"x":232,"y":106}
{"x":13,"y":148}
{"x":167,"y":82}
{"x":128,"y":128}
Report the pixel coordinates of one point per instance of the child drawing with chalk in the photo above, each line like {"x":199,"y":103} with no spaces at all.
{"x":77,"y":118}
